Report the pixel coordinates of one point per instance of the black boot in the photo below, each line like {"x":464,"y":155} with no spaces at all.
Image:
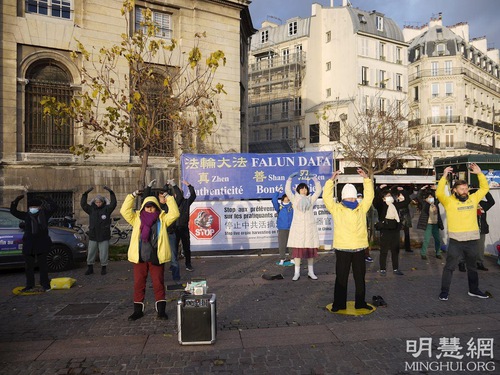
{"x":138,"y":311}
{"x":480,"y":266}
{"x":103,"y":270}
{"x":90,"y":269}
{"x":160,"y":308}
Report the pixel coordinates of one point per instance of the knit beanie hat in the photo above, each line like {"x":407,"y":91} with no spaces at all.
{"x":349,"y":191}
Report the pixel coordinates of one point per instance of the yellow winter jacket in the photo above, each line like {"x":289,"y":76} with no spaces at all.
{"x":349,"y":226}
{"x":133,"y":218}
{"x":461,"y":217}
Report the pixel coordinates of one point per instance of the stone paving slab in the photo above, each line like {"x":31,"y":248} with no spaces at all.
{"x":264,"y":327}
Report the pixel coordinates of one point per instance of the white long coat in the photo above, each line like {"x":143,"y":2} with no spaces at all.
{"x":304,"y":231}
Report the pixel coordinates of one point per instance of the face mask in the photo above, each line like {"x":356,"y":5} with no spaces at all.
{"x":430,"y":200}
{"x":34,"y":210}
{"x":389,"y":200}
{"x":351,"y":205}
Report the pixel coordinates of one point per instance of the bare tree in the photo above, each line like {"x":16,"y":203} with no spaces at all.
{"x":164,"y":100}
{"x":373,"y":139}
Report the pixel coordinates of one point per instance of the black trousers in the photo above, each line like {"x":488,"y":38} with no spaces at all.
{"x":389,"y":241}
{"x":344,"y":260}
{"x":182,"y":235}
{"x":30,"y":261}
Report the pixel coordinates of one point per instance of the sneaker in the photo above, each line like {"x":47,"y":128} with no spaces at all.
{"x":398,"y":272}
{"x":409,"y":250}
{"x":478,"y":294}
{"x":424,"y":257}
{"x":282,"y":262}
{"x":383,"y":272}
{"x":189,"y":269}
{"x":27,"y":290}
{"x":292,"y":261}
{"x":439,"y":256}
{"x":369,"y":259}
{"x":443,"y":296}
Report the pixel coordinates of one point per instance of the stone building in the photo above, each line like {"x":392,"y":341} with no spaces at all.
{"x":342,"y":58}
{"x":454,"y":91}
{"x":37,"y":39}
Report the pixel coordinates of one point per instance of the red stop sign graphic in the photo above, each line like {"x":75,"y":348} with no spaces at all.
{"x":204,"y":223}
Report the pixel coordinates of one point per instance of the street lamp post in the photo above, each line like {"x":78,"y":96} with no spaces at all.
{"x":301,"y":143}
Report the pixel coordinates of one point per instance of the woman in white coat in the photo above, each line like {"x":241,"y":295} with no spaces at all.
{"x":304,"y":237}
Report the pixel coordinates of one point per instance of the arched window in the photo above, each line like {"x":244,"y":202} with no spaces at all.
{"x":156,"y":99}
{"x":43,"y":133}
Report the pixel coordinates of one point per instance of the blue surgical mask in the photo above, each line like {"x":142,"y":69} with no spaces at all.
{"x":34,"y":210}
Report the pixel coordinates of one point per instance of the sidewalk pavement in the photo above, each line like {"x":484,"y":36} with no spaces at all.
{"x":263,"y":327}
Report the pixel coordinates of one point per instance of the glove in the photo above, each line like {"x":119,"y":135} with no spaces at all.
{"x":151,"y":183}
{"x":166,"y":195}
{"x":88,"y":190}
{"x":106,"y":188}
{"x":171,"y":182}
{"x":293,"y":175}
{"x":136,"y":193}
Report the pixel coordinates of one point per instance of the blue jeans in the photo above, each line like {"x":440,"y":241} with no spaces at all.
{"x":174,"y":264}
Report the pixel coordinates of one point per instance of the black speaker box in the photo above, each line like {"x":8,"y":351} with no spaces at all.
{"x":197,"y":319}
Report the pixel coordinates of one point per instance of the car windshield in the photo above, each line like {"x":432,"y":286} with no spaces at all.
{"x":8,"y":221}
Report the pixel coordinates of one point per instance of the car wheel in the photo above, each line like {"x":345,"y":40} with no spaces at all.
{"x":59,"y":258}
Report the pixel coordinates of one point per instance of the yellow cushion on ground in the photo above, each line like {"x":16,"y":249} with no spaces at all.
{"x":62,"y":283}
{"x":351,"y":310}
{"x":18,"y":291}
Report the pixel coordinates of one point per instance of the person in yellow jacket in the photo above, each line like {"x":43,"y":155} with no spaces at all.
{"x":463,"y":230}
{"x":350,"y":238}
{"x":149,"y":248}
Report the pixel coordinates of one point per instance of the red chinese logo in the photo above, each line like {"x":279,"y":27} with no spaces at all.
{"x":204,"y":223}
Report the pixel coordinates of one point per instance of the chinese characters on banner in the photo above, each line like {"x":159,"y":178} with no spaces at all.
{"x":251,"y":176}
{"x":233,"y":210}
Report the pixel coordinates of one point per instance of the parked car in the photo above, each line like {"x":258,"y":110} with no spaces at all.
{"x":68,"y":246}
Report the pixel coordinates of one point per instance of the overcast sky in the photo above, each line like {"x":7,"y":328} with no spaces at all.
{"x":483,"y":16}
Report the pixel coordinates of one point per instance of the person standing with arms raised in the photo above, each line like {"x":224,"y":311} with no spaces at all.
{"x":350,"y":238}
{"x":463,"y":230}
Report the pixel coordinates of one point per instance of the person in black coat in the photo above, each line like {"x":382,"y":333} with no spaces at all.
{"x":402,"y":204}
{"x":99,"y":211}
{"x":36,"y":239}
{"x":389,"y":227}
{"x":182,"y":233}
{"x":429,"y":220}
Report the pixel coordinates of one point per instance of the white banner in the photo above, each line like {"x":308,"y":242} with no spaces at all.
{"x":244,"y":225}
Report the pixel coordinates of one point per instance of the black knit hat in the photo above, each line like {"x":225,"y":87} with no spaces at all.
{"x":35,"y":202}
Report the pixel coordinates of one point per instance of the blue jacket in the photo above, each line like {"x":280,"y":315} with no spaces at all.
{"x":285,"y":212}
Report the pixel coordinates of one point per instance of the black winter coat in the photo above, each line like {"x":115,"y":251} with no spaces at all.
{"x":35,"y":240}
{"x":423,"y":219}
{"x":481,"y":220}
{"x":184,"y":204}
{"x":99,"y":217}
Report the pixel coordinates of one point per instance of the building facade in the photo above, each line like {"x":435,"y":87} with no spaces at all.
{"x":454,"y":91}
{"x":350,"y":61}
{"x":276,"y":72}
{"x":37,"y":40}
